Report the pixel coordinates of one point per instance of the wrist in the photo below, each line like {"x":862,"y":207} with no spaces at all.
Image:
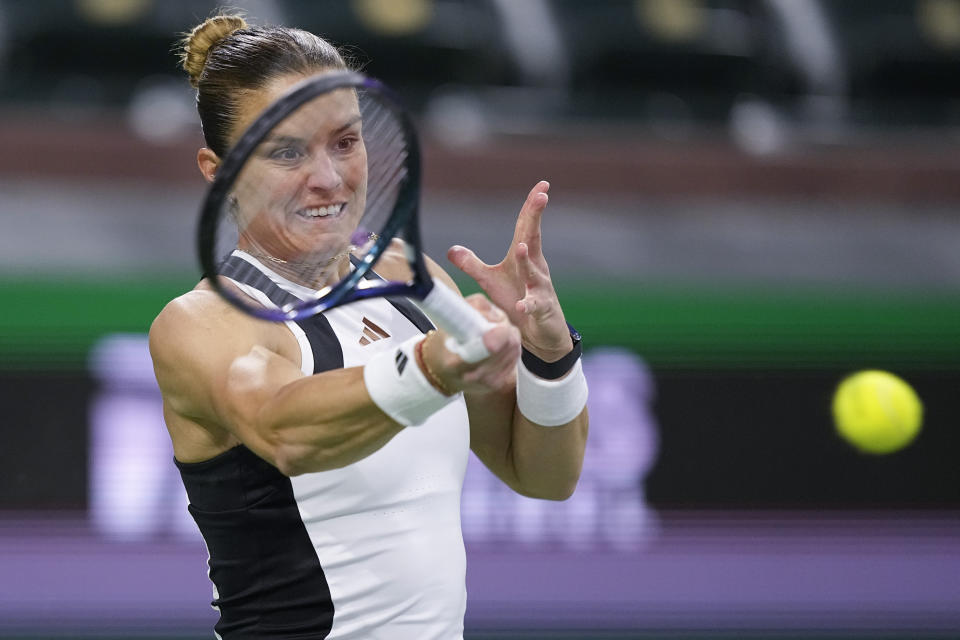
{"x":551,"y":403}
{"x":549,"y":354}
{"x":557,"y":364}
{"x":400,"y":388}
{"x":428,"y":372}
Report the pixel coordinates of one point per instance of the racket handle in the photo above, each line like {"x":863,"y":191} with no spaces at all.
{"x":464,"y":324}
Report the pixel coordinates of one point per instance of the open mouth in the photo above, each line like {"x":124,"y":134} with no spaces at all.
{"x":329,"y":211}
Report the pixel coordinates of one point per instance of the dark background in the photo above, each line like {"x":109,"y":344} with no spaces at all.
{"x":750,"y":440}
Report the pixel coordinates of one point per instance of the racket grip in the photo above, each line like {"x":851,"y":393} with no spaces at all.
{"x":464,"y":324}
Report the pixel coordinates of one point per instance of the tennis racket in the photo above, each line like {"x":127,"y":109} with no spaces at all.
{"x":311,"y":196}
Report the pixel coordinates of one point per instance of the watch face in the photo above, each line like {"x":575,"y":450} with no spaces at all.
{"x":574,"y":334}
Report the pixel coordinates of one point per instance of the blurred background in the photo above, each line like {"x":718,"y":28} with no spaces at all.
{"x":750,"y":199}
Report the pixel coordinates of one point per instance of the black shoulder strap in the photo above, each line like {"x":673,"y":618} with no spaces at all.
{"x":327,"y":352}
{"x":240,"y":270}
{"x":406,"y":308}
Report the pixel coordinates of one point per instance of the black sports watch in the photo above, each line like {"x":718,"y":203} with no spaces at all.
{"x":558,"y":369}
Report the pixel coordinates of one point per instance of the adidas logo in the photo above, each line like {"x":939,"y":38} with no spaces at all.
{"x":372,"y":332}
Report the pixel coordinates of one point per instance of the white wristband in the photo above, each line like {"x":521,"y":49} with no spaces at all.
{"x":399,"y":388}
{"x":551,"y":403}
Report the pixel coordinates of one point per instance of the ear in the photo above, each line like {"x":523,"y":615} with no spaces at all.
{"x":208,"y":162}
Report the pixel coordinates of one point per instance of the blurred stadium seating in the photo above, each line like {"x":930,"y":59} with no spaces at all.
{"x":632,"y":61}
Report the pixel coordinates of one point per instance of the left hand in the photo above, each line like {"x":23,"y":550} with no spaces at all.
{"x":520,"y":284}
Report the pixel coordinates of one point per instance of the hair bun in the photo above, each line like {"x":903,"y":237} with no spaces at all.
{"x":203,"y":37}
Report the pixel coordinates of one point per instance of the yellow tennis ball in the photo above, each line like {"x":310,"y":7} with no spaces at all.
{"x":877,"y":412}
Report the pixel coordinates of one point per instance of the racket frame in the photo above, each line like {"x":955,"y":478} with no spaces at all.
{"x":402,"y":218}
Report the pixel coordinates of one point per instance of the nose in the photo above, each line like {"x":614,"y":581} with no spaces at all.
{"x":323,"y":173}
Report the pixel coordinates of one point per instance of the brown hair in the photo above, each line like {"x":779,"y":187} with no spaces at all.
{"x":225,"y":56}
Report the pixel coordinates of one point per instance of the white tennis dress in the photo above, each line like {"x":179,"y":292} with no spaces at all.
{"x":373,"y":550}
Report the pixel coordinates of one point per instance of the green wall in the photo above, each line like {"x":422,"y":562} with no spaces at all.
{"x":48,"y":323}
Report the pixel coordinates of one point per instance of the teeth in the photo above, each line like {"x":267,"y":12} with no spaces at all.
{"x":322,"y":212}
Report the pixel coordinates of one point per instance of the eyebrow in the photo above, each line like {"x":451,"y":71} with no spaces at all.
{"x":352,"y":121}
{"x":282,"y":139}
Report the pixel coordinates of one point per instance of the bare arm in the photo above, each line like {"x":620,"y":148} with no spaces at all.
{"x":224,"y":371}
{"x":307,"y":423}
{"x":537,"y":461}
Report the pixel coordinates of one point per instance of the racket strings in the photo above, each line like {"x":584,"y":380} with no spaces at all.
{"x":295,"y":248}
{"x":387,"y":154}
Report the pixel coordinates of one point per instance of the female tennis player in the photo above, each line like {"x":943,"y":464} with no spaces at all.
{"x":324,"y":458}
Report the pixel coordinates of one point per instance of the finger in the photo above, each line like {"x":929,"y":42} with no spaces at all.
{"x":503,"y":343}
{"x":526,"y":269}
{"x":527,"y":306}
{"x":496,"y":338}
{"x":468,"y":262}
{"x":532,"y":280}
{"x":528,"y":222}
{"x":499,"y":374}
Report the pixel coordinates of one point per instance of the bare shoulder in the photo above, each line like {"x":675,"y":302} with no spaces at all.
{"x":196,"y":318}
{"x":195,"y":339}
{"x":187,"y":339}
{"x":202,"y":316}
{"x":196,"y":342}
{"x":394,"y":265}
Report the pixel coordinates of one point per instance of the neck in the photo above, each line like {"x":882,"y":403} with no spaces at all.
{"x":312,"y":275}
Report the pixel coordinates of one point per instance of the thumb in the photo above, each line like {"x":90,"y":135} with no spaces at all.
{"x":467,"y":261}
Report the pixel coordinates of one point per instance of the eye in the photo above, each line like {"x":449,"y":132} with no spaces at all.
{"x":287,"y":155}
{"x":347,"y":143}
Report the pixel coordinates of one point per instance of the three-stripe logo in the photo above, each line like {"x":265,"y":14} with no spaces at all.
{"x":372,"y":332}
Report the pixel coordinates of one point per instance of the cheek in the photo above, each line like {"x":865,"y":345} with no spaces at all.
{"x":356,"y":177}
{"x":276,"y":193}
{"x":355,"y":172}
{"x":263,"y":186}
{"x":360,"y":184}
{"x":284,"y":184}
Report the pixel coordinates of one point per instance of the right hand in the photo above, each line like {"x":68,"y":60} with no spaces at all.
{"x":496,"y":372}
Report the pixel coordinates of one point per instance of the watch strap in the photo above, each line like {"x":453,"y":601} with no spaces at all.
{"x":559,"y":368}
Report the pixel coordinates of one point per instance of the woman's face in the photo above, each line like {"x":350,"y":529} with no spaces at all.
{"x":303,"y":190}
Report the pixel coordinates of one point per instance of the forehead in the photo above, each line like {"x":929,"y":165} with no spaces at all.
{"x":327,"y":112}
